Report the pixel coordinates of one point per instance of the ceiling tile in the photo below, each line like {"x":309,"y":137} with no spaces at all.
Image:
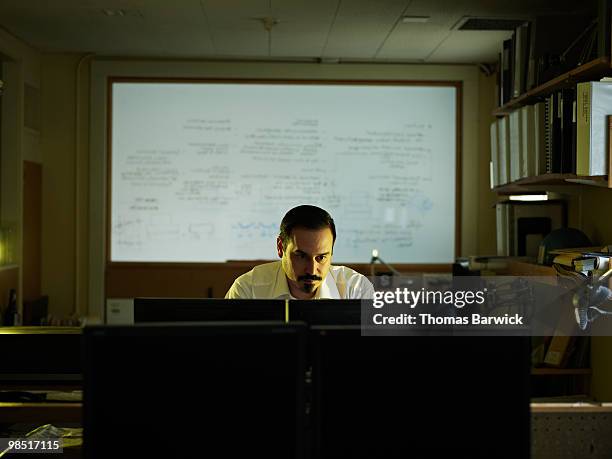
{"x":361,"y":26}
{"x":463,"y":46}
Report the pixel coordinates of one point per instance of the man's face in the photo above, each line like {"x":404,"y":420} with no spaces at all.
{"x":306,"y":259}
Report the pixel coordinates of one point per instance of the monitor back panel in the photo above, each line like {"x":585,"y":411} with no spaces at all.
{"x":326,"y":312}
{"x":419,"y":396}
{"x":194,"y":391}
{"x":40,"y":356}
{"x":206,"y":309}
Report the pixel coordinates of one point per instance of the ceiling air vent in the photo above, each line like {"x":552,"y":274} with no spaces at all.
{"x":472,"y":23}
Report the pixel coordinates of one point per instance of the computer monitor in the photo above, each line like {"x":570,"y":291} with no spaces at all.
{"x":206,"y":310}
{"x":40,"y":356}
{"x":419,"y":396}
{"x":194,"y":390}
{"x":326,"y":312}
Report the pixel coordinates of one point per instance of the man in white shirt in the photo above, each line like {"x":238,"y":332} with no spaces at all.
{"x":304,"y":245}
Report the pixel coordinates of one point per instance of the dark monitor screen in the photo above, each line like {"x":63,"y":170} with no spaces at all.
{"x":206,"y":310}
{"x":194,"y":390}
{"x":40,"y":356}
{"x":326,"y":312}
{"x":419,"y":396}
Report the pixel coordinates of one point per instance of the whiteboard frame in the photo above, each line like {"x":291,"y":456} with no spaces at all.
{"x":458,"y":85}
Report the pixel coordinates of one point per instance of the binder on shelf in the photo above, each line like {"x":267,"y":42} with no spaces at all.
{"x":531,"y":58}
{"x":594,"y":103}
{"x":528,"y":162}
{"x":502,"y":211}
{"x":579,"y":358}
{"x":548,"y":133}
{"x":539,"y":121}
{"x":506,"y":72}
{"x":504,"y":150}
{"x":557,"y":134}
{"x":516,"y":153}
{"x":567,"y":99}
{"x":521,"y":50}
{"x":494,"y":156}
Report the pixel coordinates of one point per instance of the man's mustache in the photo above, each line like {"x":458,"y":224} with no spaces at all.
{"x":309,"y":277}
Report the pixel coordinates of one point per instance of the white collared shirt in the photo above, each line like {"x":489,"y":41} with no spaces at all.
{"x":268,"y":281}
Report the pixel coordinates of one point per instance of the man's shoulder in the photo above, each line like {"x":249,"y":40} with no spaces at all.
{"x":264,"y":268}
{"x":344,"y":272}
{"x":263,"y":273}
{"x":246,"y":285}
{"x":351,"y":284}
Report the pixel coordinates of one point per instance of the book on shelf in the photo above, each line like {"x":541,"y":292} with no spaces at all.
{"x":506,"y":72}
{"x":503,"y":129}
{"x":582,"y":259}
{"x":580,"y":354}
{"x":539,"y":150}
{"x":557,"y":354}
{"x":548,"y":133}
{"x":537,"y":139}
{"x":546,"y":47}
{"x":515,"y":135}
{"x":567,"y":147}
{"x":531,"y":79}
{"x":557,"y":133}
{"x":494,"y":173}
{"x":521,"y":58}
{"x":594,"y":103}
{"x":528,"y":141}
{"x":502,"y":216}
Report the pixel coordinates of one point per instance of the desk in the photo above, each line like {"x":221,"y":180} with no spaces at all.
{"x":571,"y":430}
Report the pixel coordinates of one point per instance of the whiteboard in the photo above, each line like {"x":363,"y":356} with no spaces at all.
{"x":205,"y":171}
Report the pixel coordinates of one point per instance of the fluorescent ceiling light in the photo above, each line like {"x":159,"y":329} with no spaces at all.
{"x":529,"y":197}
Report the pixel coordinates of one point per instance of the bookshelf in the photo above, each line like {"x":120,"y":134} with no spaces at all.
{"x":549,"y":151}
{"x":595,"y":69}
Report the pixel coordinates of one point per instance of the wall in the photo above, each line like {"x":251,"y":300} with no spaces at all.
{"x":485,"y":226}
{"x":65,"y":190}
{"x":103,"y":68}
{"x":21,"y":66}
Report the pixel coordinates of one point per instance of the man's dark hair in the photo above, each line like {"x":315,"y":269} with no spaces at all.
{"x":305,"y":216}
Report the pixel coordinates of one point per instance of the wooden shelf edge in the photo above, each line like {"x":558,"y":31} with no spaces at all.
{"x":577,"y":407}
{"x":552,"y":179}
{"x":582,"y":73}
